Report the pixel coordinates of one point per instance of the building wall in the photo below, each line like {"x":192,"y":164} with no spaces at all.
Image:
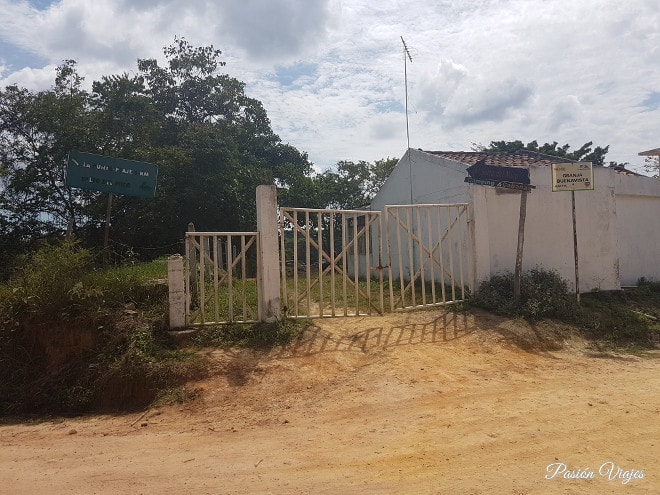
{"x":436,"y":180}
{"x":618,"y":223}
{"x":638,"y":227}
{"x":549,"y":232}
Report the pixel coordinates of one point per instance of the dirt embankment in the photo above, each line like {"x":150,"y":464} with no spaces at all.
{"x":425,"y":402}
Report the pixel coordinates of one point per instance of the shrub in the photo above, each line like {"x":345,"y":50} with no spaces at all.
{"x":543,"y":293}
{"x":69,"y":343}
{"x":647,"y":286}
{"x":48,"y":284}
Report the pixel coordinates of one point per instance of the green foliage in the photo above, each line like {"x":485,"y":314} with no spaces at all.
{"x":649,"y":287}
{"x":120,"y":358}
{"x":59,"y":283}
{"x":586,"y":152}
{"x":350,"y":185}
{"x":619,"y":318}
{"x":48,"y":285}
{"x":74,"y":338}
{"x":175,"y":395}
{"x":543,"y":294}
{"x":260,"y":335}
{"x":213,"y":145}
{"x":137,"y":366}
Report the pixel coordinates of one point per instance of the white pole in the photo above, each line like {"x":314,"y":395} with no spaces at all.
{"x":268,"y":262}
{"x":177,"y":293}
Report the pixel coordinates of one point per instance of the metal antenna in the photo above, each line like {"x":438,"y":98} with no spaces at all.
{"x":406,"y":57}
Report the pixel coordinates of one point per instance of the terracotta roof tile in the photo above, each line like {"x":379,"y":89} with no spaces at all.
{"x":521,"y":158}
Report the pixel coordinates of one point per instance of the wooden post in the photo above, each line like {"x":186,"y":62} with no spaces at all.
{"x":519,"y":251}
{"x":106,"y":237}
{"x":575,"y":250}
{"x":193,"y":266}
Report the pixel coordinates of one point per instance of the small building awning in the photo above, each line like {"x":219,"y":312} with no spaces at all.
{"x":655,"y":152}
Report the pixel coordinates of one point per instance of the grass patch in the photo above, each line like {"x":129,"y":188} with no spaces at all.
{"x":622,"y":319}
{"x":216,"y":307}
{"x":318,"y":300}
{"x":175,"y":395}
{"x":259,"y":335}
{"x":75,"y":338}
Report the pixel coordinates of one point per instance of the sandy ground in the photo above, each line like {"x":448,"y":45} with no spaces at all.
{"x":424,"y":402}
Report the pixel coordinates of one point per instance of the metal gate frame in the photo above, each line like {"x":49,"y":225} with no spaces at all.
{"x":430,"y":256}
{"x":336,"y":265}
{"x":341,"y":241}
{"x":215,"y":274}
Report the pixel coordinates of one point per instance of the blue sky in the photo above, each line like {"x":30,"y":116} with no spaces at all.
{"x":330,"y":73}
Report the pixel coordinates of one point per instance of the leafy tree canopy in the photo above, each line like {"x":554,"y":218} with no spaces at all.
{"x":349,"y":185}
{"x":212,"y":142}
{"x":586,"y":153}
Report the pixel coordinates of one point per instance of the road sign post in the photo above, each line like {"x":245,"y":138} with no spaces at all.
{"x":113,"y":176}
{"x":577,"y":176}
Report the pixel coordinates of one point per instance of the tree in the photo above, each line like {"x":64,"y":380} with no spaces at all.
{"x":213,"y":145}
{"x":586,"y":153}
{"x":36,"y":133}
{"x":350,"y":185}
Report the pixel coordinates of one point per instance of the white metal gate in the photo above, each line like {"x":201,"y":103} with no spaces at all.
{"x":223,"y":278}
{"x":428,"y":254}
{"x":330,"y":262}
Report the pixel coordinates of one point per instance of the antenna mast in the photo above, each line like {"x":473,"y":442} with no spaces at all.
{"x":406,"y":57}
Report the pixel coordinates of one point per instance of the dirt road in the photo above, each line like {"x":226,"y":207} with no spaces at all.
{"x":427,"y":402}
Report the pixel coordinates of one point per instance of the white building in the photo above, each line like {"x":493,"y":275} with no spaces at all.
{"x":618,"y":223}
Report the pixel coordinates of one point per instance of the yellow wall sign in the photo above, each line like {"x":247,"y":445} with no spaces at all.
{"x":572,"y":176}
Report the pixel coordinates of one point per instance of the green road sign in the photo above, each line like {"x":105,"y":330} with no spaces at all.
{"x":111,"y":175}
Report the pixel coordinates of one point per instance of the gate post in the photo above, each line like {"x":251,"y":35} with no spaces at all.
{"x":268,"y":265}
{"x":177,"y":295}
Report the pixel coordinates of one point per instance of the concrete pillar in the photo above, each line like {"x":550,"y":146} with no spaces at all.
{"x":192,"y":263}
{"x":268,"y":253}
{"x":177,"y":294}
{"x":480,"y":235}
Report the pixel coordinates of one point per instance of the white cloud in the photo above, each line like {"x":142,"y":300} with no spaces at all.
{"x":566,"y":111}
{"x":330,"y":72}
{"x":31,"y":78}
{"x":435,"y":92}
{"x":271,"y":30}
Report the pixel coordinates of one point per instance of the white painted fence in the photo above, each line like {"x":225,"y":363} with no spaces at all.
{"x":311,"y":263}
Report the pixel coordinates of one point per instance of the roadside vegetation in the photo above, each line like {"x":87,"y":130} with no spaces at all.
{"x":617,"y":319}
{"x":78,"y":338}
